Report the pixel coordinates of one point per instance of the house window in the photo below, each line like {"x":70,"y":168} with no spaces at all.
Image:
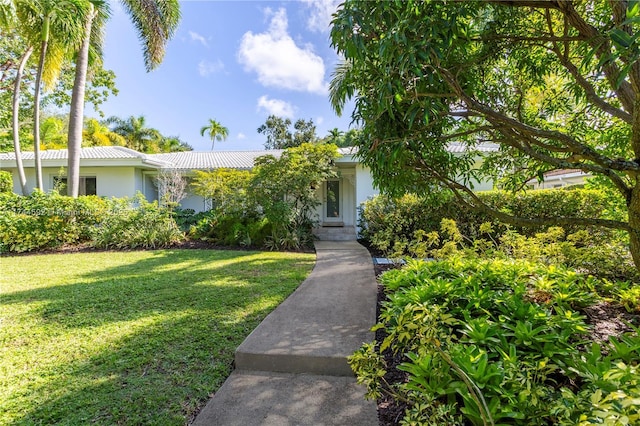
{"x":87,"y":185}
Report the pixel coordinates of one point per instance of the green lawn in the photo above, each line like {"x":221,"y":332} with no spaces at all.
{"x":139,"y":337}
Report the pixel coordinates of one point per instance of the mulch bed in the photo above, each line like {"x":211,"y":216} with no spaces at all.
{"x":605,"y":318}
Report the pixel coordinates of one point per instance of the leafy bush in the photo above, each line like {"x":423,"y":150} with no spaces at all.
{"x":386,"y":220}
{"x":226,"y":188}
{"x":272,"y":206}
{"x":499,"y":342}
{"x":231,"y":230}
{"x":40,"y":221}
{"x":6,"y":181}
{"x":136,"y":223}
{"x":413,"y":226}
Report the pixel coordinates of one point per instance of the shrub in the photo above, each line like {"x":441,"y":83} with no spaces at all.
{"x":136,"y":223}
{"x":40,"y":221}
{"x":499,"y":342}
{"x":387,"y":220}
{"x":411,"y":225}
{"x":6,"y":181}
{"x":231,"y":230}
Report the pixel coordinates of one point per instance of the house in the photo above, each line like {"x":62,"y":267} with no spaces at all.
{"x":115,"y":171}
{"x":559,"y":178}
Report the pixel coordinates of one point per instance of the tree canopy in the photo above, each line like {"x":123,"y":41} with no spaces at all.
{"x":554,"y":84}
{"x":279,"y":134}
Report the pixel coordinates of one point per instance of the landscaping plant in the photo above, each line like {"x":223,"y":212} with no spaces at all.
{"x":45,"y":221}
{"x":499,"y":342}
{"x":413,"y":225}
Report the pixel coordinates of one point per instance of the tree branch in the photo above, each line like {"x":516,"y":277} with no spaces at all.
{"x":602,"y":45}
{"x":577,"y":147}
{"x":588,"y":88}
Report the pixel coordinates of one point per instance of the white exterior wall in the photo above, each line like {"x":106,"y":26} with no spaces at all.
{"x":560,"y":181}
{"x":194,"y":202}
{"x":364,"y":188}
{"x":110,"y":181}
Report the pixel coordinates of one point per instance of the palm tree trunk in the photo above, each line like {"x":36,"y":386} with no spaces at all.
{"x":16,"y":124}
{"x":76,"y":114}
{"x":36,"y":102}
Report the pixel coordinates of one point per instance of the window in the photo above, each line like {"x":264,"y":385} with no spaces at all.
{"x":87,"y":185}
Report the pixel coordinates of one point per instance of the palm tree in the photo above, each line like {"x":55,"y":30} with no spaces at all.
{"x":334,"y":135}
{"x":8,"y":19}
{"x":174,"y":144}
{"x":55,"y":27}
{"x":15,"y":122}
{"x":97,"y":134}
{"x":155,"y":21}
{"x":136,"y":133}
{"x":216,"y":131}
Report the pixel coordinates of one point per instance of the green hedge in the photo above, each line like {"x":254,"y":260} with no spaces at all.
{"x":41,"y":221}
{"x":6,"y":181}
{"x":385,"y":221}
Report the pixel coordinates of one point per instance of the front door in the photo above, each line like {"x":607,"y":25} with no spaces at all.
{"x":332,"y":208}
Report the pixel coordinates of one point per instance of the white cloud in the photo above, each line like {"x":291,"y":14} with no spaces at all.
{"x":241,"y":136}
{"x":206,"y":68}
{"x":319,"y":120}
{"x":199,"y":38}
{"x":275,"y":107}
{"x":278,"y":61}
{"x":321,"y":11}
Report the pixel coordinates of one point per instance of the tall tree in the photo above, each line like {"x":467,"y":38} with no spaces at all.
{"x":555,"y":84}
{"x":216,"y":132}
{"x":9,"y":33}
{"x":155,"y":22}
{"x":135,"y":132}
{"x":54,"y":27}
{"x":15,"y":122}
{"x":279,"y":135}
{"x":335,"y":136}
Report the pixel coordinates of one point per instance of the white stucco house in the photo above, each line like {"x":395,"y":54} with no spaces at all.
{"x":114,"y":171}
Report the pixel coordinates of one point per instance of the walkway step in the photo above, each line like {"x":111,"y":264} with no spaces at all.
{"x":340,"y":233}
{"x":277,"y":399}
{"x":323,"y":322}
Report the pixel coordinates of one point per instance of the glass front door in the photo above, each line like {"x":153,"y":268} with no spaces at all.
{"x":333,"y":201}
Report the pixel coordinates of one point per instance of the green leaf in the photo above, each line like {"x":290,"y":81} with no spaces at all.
{"x":620,"y":37}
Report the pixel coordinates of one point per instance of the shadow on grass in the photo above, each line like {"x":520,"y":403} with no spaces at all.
{"x":156,"y":285}
{"x":195,"y":308}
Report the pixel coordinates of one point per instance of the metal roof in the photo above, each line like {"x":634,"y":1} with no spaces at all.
{"x":98,"y":152}
{"x":189,"y":160}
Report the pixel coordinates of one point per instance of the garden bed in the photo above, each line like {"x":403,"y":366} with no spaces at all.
{"x":605,"y":319}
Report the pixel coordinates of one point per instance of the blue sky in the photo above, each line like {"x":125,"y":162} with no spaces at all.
{"x":233,"y":61}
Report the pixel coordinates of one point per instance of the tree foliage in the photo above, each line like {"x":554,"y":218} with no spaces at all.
{"x":279,"y":134}
{"x":287,"y":185}
{"x":555,"y":84}
{"x":225,"y":188}
{"x":216,"y":132}
{"x":138,"y":136}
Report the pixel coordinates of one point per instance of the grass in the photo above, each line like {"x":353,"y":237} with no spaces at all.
{"x":140,"y":337}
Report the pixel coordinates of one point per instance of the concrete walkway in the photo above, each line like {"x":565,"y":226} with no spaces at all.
{"x":292,"y":369}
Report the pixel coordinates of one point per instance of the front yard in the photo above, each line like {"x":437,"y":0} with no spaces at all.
{"x":140,"y":337}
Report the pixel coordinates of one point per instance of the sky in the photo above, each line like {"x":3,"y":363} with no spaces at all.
{"x":236,"y":62}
